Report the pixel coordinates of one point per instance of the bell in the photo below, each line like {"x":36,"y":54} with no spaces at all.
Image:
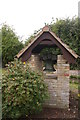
{"x":49,"y":65}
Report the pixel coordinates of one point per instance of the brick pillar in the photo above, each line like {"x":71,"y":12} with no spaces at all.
{"x":62,"y":82}
{"x":35,"y":63}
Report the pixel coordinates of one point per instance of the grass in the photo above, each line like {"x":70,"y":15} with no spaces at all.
{"x":0,"y":70}
{"x":3,"y":70}
{"x":74,"y":85}
{"x":74,"y":82}
{"x":74,"y":89}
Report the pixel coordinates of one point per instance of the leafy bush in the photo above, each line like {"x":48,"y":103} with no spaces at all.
{"x":24,"y":91}
{"x":75,"y":82}
{"x":75,"y":77}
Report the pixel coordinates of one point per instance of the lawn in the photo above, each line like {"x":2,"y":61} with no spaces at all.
{"x":74,"y":87}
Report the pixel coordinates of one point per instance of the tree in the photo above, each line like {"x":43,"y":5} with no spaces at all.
{"x":29,"y":40}
{"x":69,"y":31}
{"x":10,"y":44}
{"x":0,"y":49}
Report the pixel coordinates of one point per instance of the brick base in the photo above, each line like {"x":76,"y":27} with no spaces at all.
{"x":58,"y":82}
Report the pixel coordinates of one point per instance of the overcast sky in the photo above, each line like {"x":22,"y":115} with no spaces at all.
{"x":26,"y":16}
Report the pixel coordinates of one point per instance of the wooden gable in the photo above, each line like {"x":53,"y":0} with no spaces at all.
{"x":47,"y":37}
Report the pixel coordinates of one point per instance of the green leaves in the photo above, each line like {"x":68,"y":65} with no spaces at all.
{"x":49,"y":53}
{"x":69,"y":31}
{"x":23,"y":90}
{"x":10,"y":44}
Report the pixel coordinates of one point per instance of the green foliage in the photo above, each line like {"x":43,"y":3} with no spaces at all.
{"x":49,"y":52}
{"x":74,"y":85}
{"x":78,"y":41}
{"x":10,"y":44}
{"x":75,"y":82}
{"x":69,"y":31}
{"x":29,"y":40}
{"x":0,"y":46}
{"x":24,"y":90}
{"x":74,"y":76}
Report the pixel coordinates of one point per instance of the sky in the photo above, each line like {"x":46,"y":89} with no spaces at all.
{"x":26,"y":16}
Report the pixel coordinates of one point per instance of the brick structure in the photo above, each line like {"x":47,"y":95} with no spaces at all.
{"x":58,"y":85}
{"x":58,"y":82}
{"x":35,"y":63}
{"x":62,"y":82}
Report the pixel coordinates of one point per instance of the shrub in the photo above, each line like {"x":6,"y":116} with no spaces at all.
{"x":24,"y":91}
{"x":75,"y":77}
